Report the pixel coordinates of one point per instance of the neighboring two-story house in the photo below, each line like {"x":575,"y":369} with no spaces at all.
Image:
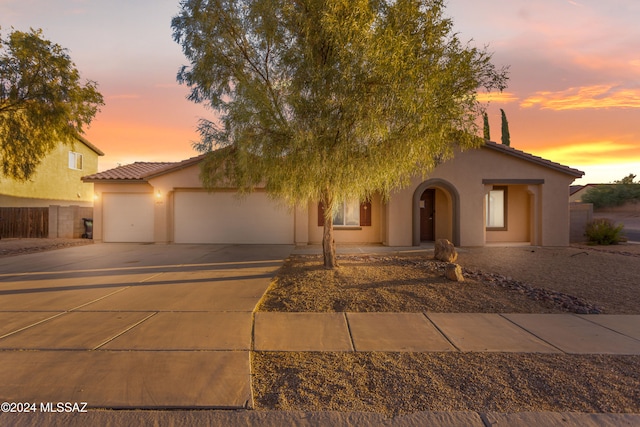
{"x":54,"y":201}
{"x":57,"y":180}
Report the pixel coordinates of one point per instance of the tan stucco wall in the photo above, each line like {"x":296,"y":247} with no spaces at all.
{"x":548,"y":207}
{"x":365,"y":234}
{"x":53,"y":183}
{"x":444,"y":215}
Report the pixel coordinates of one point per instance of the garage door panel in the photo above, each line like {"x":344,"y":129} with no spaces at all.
{"x":202,"y":217}
{"x":128,"y":217}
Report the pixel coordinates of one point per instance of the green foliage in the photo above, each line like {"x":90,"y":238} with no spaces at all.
{"x":603,"y":231}
{"x":486,"y":130}
{"x":506,"y":136}
{"x":610,"y":195}
{"x":42,"y":101}
{"x":628,"y":180}
{"x":329,"y":99}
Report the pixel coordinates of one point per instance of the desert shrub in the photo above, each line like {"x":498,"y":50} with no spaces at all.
{"x":603,"y":231}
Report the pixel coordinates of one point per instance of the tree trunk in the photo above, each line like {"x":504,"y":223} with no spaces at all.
{"x":328,"y":242}
{"x":329,"y":245}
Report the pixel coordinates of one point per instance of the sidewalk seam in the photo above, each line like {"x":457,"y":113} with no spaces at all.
{"x":250,"y":404}
{"x":353,"y":344}
{"x":33,"y":324}
{"x":441,"y":332}
{"x":532,"y":334}
{"x":603,"y":326}
{"x":485,"y":419}
{"x":124,"y":331}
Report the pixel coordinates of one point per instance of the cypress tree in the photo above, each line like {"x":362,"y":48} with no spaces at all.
{"x":485,"y":127}
{"x":506,"y":138}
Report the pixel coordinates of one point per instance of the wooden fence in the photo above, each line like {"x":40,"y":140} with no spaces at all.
{"x":24,"y":222}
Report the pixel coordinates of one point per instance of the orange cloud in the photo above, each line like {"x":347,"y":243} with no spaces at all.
{"x":582,"y":98}
{"x":501,"y":97}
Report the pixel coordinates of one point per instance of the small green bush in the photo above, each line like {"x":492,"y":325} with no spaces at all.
{"x":603,"y":231}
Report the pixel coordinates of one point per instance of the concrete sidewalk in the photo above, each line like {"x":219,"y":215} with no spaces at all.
{"x":438,"y":332}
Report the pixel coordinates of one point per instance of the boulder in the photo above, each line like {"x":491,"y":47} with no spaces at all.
{"x":453,"y":272}
{"x":444,"y":250}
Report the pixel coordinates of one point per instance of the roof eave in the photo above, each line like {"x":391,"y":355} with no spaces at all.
{"x":175,"y":167}
{"x":88,"y":179}
{"x":90,"y":145}
{"x":534,"y":159}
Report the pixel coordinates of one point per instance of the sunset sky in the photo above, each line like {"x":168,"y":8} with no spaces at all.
{"x":573,"y":95}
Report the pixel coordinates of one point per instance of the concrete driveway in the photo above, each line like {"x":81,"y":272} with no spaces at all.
{"x":132,"y":326}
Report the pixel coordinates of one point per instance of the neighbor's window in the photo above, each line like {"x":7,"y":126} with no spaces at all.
{"x":75,"y":160}
{"x":348,"y":214}
{"x":496,"y":206}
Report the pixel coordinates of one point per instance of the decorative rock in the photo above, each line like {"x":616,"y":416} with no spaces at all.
{"x":453,"y":272}
{"x":445,"y":251}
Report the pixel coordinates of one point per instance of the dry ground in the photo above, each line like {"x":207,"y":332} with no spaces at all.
{"x":524,"y":280}
{"x":11,"y":247}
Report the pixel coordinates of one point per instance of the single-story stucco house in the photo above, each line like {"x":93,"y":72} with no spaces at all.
{"x":494,"y":194}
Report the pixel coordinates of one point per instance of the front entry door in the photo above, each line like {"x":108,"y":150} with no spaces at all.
{"x":427,"y":215}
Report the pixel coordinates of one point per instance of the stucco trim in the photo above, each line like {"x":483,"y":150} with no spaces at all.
{"x":455,"y":209}
{"x":513,"y":181}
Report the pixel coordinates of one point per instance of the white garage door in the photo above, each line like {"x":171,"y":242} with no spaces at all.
{"x":202,"y":217}
{"x":127,"y":217}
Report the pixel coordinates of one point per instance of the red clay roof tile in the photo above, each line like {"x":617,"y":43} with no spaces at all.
{"x":134,"y":172}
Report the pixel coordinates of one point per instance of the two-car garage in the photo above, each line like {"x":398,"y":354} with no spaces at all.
{"x":198,"y":217}
{"x":147,"y":202}
{"x":224,"y":217}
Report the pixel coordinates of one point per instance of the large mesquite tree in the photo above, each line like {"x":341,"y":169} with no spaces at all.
{"x":329,"y":100}
{"x":43,"y":101}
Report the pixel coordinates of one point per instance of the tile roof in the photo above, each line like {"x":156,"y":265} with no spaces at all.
{"x":141,"y":171}
{"x":171,"y":167}
{"x":137,"y":171}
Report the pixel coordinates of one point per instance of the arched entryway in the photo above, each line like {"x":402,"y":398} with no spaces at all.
{"x":436,"y":212}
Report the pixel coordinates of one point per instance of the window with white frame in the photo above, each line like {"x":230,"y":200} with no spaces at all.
{"x":75,"y":160}
{"x":347,"y":214}
{"x":496,"y":208}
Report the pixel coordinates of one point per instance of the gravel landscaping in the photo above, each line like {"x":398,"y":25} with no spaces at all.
{"x":579,"y":279}
{"x":11,"y":246}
